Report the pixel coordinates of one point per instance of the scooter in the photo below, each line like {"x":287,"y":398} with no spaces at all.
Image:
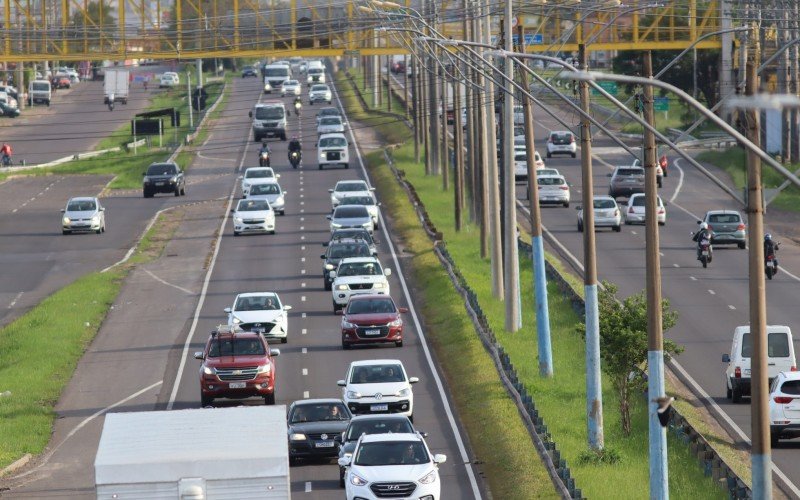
{"x":705,"y":252}
{"x":263,"y":159}
{"x":294,"y":158}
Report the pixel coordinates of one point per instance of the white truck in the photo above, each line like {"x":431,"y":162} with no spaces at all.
{"x":116,"y":82}
{"x":210,"y":453}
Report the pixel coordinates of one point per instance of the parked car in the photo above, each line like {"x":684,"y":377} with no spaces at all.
{"x":270,"y":191}
{"x":553,"y":189}
{"x":253,"y":216}
{"x":606,"y":213}
{"x":635,"y":210}
{"x":343,"y":189}
{"x":163,"y":178}
{"x":83,"y":214}
{"x":358,"y":276}
{"x":256,"y":175}
{"x":236,"y":365}
{"x":780,"y":358}
{"x":346,"y":216}
{"x":316,"y":427}
{"x":338,"y":249}
{"x":372,"y":319}
{"x":249,"y":71}
{"x":260,"y":312}
{"x":784,"y":407}
{"x":727,"y":227}
{"x":561,"y":142}
{"x":378,"y":386}
{"x":626,"y":181}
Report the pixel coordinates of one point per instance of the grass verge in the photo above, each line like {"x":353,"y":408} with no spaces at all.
{"x":40,"y":350}
{"x":390,"y":128}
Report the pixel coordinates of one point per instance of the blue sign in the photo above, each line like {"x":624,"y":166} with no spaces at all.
{"x":531,"y":39}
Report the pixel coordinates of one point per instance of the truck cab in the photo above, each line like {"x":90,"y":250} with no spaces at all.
{"x":269,"y":120}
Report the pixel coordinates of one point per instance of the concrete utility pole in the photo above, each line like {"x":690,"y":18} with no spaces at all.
{"x":406,"y":68}
{"x":458,"y":150}
{"x":445,"y":154}
{"x":761,"y":454}
{"x":389,"y":83}
{"x":726,"y":81}
{"x":415,"y":103}
{"x":510,"y":257}
{"x":659,"y":483}
{"x":594,"y":385}
{"x":375,"y":66}
{"x":468,"y":138}
{"x":537,"y":244}
{"x":783,"y":83}
{"x":479,"y":132}
{"x":433,"y":103}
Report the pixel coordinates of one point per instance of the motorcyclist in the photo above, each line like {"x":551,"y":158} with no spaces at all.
{"x":6,"y":153}
{"x":298,"y":103}
{"x":294,"y":145}
{"x":704,"y":233}
{"x":264,"y":147}
{"x":770,"y":249}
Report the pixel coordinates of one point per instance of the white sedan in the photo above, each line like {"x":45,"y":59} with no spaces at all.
{"x":330,"y":125}
{"x":83,"y":214}
{"x":253,"y":216}
{"x":291,"y":87}
{"x":260,"y":312}
{"x":606,"y":213}
{"x":635,"y":210}
{"x":320,"y":92}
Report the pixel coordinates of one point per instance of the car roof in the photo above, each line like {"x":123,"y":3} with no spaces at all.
{"x":302,"y":402}
{"x":359,"y":259}
{"x":257,"y":294}
{"x":550,"y":176}
{"x":265,"y":180}
{"x":258,"y":168}
{"x":715,"y":212}
{"x":365,"y":296}
{"x":350,"y":180}
{"x":83,"y":198}
{"x":370,"y":362}
{"x":333,"y":134}
{"x":791,"y":375}
{"x":377,"y":438}
{"x":603,"y":197}
{"x":392,"y":416}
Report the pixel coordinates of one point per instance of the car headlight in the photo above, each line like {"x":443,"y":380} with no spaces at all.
{"x":397,"y":322}
{"x":279,"y":200}
{"x":341,"y":287}
{"x":66,"y":220}
{"x":428,"y":478}
{"x":264,"y":368}
{"x":95,"y":218}
{"x":297,"y":436}
{"x":336,"y":225}
{"x":402,"y":393}
{"x":353,"y":395}
{"x":379,"y":285}
{"x":329,"y":267}
{"x":347,"y":324}
{"x":357,"y":480}
{"x":367,"y":225}
{"x":173,"y":179}
{"x":207,"y":370}
{"x":238,"y":220}
{"x":146,"y":179}
{"x":322,"y":156}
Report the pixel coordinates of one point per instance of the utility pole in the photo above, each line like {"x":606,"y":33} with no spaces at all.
{"x":480,"y":134}
{"x":761,"y":454}
{"x":445,"y":140}
{"x":458,"y":156}
{"x":435,"y":103}
{"x":510,"y":257}
{"x":425,"y":114}
{"x":594,"y":385}
{"x":467,"y":138}
{"x":415,"y":103}
{"x":389,"y":83}
{"x":498,"y":289}
{"x":537,"y":245}
{"x":406,"y":67}
{"x":783,"y":83}
{"x":659,"y":483}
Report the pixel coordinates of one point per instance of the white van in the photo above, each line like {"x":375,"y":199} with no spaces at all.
{"x":39,"y":91}
{"x":780,"y":358}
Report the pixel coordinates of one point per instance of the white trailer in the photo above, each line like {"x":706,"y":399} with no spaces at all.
{"x":202,"y":454}
{"x":116,"y":82}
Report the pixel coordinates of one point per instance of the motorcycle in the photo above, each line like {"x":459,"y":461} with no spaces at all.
{"x":263,"y":159}
{"x":294,"y":158}
{"x":297,"y":107}
{"x":771,"y":265}
{"x":705,"y":252}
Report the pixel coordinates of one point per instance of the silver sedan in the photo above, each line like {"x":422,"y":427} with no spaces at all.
{"x":330,"y":125}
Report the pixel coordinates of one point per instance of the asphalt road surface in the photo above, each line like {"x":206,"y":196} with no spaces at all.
{"x":153,"y":372}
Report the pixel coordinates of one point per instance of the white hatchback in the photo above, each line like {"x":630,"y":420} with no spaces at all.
{"x":348,"y":188}
{"x":635,"y":213}
{"x":291,"y":87}
{"x":253,"y":216}
{"x":260,"y":312}
{"x":784,"y":407}
{"x":561,"y":142}
{"x":83,"y":214}
{"x":553,"y":189}
{"x":378,"y":386}
{"x":606,"y":213}
{"x":254,"y":175}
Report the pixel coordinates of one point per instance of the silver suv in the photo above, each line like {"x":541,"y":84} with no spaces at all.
{"x":626,"y":181}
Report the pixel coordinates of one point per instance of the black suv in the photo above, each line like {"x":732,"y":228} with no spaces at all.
{"x":338,"y":249}
{"x":163,"y":178}
{"x":249,"y":71}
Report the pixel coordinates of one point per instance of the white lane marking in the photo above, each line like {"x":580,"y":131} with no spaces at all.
{"x":16,"y":298}
{"x":164,"y":282}
{"x":40,"y":193}
{"x":304,"y":331}
{"x":302,"y":195}
{"x":692,"y":278}
{"x":302,"y":189}
{"x":712,"y":292}
{"x":302,"y":247}
{"x":633,"y":232}
{"x":304,"y":350}
{"x":302,"y":203}
{"x":675,"y":265}
{"x":732,"y":308}
{"x":305,"y":371}
{"x":13,"y":211}
{"x":308,"y":486}
{"x":302,"y":228}
{"x":680,"y":180}
{"x":302,"y":219}
{"x":302,"y":271}
{"x":305,"y":394}
{"x":302,"y":298}
{"x":302,"y":237}
{"x":302,"y":259}
{"x":303,"y":315}
{"x":32,"y":199}
{"x":302,"y":210}
{"x":464,"y":457}
{"x":302,"y":285}
{"x":214,"y":158}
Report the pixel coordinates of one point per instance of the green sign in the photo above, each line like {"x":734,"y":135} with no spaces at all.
{"x":661,"y":104}
{"x":610,"y":87}
{"x":352,"y":53}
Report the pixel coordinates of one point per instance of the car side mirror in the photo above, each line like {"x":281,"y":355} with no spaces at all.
{"x":330,"y":190}
{"x":387,"y":272}
{"x":439,"y":458}
{"x":726,"y":358}
{"x":277,"y":176}
{"x":328,"y":217}
{"x":322,"y":256}
{"x":344,"y":462}
{"x":102,"y":209}
{"x":379,"y":204}
{"x":402,"y":310}
{"x":63,"y":210}
{"x":287,"y":308}
{"x":413,"y":380}
{"x":198,"y":355}
{"x":274,"y":352}
{"x":285,"y":193}
{"x":372,"y":189}
{"x":332,"y":274}
{"x":326,"y":243}
{"x":250,"y":114}
{"x":340,"y":383}
{"x":227,"y":310}
{"x":699,"y":222}
{"x":339,"y":312}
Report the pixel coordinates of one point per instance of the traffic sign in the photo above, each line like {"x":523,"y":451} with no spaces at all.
{"x":610,"y":87}
{"x":530,"y":39}
{"x":661,"y":104}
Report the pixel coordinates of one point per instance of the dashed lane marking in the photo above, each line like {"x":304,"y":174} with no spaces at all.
{"x":712,"y":292}
{"x":305,"y":371}
{"x":305,"y":396}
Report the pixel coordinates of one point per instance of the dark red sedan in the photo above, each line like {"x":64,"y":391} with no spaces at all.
{"x":372,"y":319}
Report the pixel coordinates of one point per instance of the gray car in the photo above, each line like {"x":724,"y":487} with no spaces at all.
{"x":346,"y":216}
{"x":271,"y":191}
{"x":330,"y":125}
{"x":727,"y":228}
{"x":626,"y":181}
{"x":83,"y":214}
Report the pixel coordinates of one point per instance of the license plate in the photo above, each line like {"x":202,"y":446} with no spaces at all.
{"x":705,"y":252}
{"x":379,"y":408}
{"x":159,"y":183}
{"x":324,"y":444}
{"x":372,"y":332}
{"x":770,"y":264}
{"x":630,"y":181}
{"x":237,"y":385}
{"x":747,"y":371}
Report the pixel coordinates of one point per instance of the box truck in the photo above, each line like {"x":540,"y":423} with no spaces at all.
{"x":209,"y":454}
{"x":116,"y":82}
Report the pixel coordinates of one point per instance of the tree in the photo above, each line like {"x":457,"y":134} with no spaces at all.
{"x":92,"y":15}
{"x":623,"y":344}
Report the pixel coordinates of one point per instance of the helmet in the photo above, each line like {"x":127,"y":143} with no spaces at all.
{"x":703,"y":226}
{"x":767,"y":237}
{"x":294,"y":137}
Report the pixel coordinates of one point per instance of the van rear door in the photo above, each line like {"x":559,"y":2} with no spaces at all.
{"x":780,"y":351}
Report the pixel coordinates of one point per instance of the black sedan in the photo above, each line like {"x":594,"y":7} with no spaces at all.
{"x":249,"y":71}
{"x":6,"y":110}
{"x":315,"y":428}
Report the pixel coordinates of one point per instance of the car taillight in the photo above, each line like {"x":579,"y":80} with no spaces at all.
{"x":564,"y":188}
{"x":660,"y":210}
{"x":793,"y":369}
{"x":616,"y":213}
{"x":571,"y":139}
{"x":782,"y":400}
{"x":740,"y":227}
{"x":737,"y":373}
{"x":710,"y":228}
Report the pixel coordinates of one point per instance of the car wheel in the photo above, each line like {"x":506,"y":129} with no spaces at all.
{"x":736,"y":395}
{"x":346,"y":346}
{"x":566,"y":205}
{"x":774,"y":439}
{"x":341,"y":478}
{"x":549,"y":155}
{"x":658,"y":181}
{"x":336,"y":307}
{"x":627,"y":222}
{"x":283,"y":137}
{"x":283,"y":212}
{"x":346,"y":165}
{"x":206,"y":400}
{"x":662,"y":223}
{"x":66,"y":231}
{"x":742,"y":246}
{"x":617,"y":228}
{"x":99,"y":230}
{"x":177,"y":191}
{"x":573,"y":155}
{"x":320,"y":166}
{"x":236,"y":233}
{"x":183,"y":190}
{"x":327,"y":285}
{"x":269,"y":399}
{"x":580,"y":227}
{"x":399,"y":343}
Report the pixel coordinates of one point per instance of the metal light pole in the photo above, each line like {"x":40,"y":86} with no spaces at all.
{"x":659,"y":484}
{"x":510,"y":257}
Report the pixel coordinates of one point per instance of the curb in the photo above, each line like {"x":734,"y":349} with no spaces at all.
{"x":18,"y":464}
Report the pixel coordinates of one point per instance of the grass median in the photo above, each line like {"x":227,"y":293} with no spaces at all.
{"x":40,"y":350}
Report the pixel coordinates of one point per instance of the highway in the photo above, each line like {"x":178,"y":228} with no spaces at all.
{"x":151,"y":369}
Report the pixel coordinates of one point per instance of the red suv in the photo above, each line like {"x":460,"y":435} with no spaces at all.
{"x":237,"y":365}
{"x":372,"y":319}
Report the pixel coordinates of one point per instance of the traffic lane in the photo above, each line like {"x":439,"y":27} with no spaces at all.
{"x":240,"y":260}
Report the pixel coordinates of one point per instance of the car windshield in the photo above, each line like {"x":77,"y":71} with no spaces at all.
{"x":329,"y":112}
{"x":257,"y":303}
{"x":257,"y":189}
{"x":350,"y":212}
{"x":391,"y":453}
{"x":777,"y":345}
{"x":630,"y":171}
{"x":40,"y":86}
{"x":333,"y":142}
{"x":319,"y":88}
{"x":252,"y":205}
{"x":378,"y":426}
{"x":314,"y":71}
{"x":723,"y":218}
{"x":351,"y":186}
{"x":259,"y":174}
{"x":343,"y":250}
{"x":236,"y":347}
{"x":159,"y":169}
{"x":377,"y":374}
{"x":359,"y":269}
{"x":331,"y":120}
{"x":560,"y":137}
{"x":521,"y":158}
{"x":270,"y":113}
{"x":358,"y":200}
{"x":81,"y":206}
{"x":638,"y":201}
{"x":248,"y":68}
{"x":291,"y":83}
{"x":276,"y":71}
{"x":550,"y":181}
{"x":371,"y":306}
{"x":604,"y":204}
{"x":319,"y":412}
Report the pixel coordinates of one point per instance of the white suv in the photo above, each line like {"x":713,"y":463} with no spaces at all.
{"x":378,"y":386}
{"x":344,"y":189}
{"x":392,"y":466}
{"x":332,"y":151}
{"x":358,"y":276}
{"x":784,"y":407}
